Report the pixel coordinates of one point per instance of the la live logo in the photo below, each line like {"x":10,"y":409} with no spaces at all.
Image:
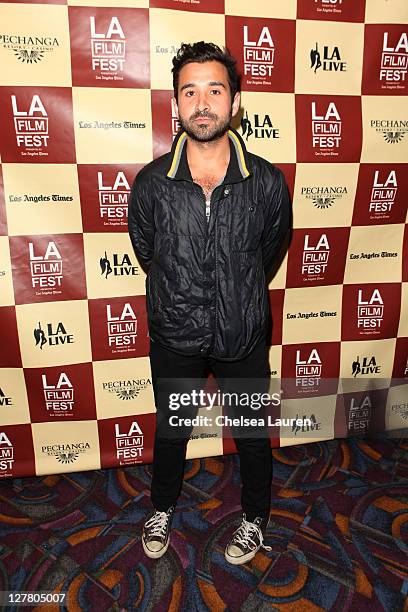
{"x":31,"y":125}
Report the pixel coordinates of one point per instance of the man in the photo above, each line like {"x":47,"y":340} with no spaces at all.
{"x":206,"y":221}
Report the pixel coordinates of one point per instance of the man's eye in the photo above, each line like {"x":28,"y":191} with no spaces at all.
{"x":215,"y":91}
{"x":189,"y":93}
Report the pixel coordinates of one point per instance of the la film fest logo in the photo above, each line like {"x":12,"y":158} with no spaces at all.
{"x":394,"y":59}
{"x":328,"y":60}
{"x":127,"y":389}
{"x":326,"y":128}
{"x":46,"y":269}
{"x":122,"y":328}
{"x":324,"y":197}
{"x":329,"y":6}
{"x":315,"y":257}
{"x":4,"y":399}
{"x":6,"y":454}
{"x":108,"y":50}
{"x":66,"y":453}
{"x":365,"y":367}
{"x":392,"y":130}
{"x":308,"y":369}
{"x":259,"y":126}
{"x":370,"y":310}
{"x":29,"y":49}
{"x":129,"y":444}
{"x":58,"y":397}
{"x":383,"y":193}
{"x":52,"y":334}
{"x":259,"y":54}
{"x":113,"y":199}
{"x":117,"y":265}
{"x":359,"y":415}
{"x":31,"y":125}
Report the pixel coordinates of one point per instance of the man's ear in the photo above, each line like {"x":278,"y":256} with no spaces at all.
{"x":236,"y":103}
{"x":175,"y":106}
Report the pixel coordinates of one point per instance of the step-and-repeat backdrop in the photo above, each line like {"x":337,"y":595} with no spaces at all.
{"x":85,"y":102}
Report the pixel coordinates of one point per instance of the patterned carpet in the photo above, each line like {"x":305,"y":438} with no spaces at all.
{"x":339,"y":532}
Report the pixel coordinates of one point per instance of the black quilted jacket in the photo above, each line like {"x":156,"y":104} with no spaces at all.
{"x":205,"y":287}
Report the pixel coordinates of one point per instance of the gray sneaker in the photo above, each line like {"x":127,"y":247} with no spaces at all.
{"x":246,"y":541}
{"x":156,"y":533}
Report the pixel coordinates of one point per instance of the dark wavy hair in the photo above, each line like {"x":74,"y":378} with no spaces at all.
{"x":205,"y":52}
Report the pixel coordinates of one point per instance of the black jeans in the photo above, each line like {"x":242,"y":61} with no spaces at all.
{"x":169,"y":451}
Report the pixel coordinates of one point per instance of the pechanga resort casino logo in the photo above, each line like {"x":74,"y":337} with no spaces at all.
{"x":66,"y":453}
{"x":327,"y":59}
{"x":29,"y":49}
{"x":51,"y":334}
{"x":258,"y":126}
{"x":127,"y":389}
{"x":392,"y":130}
{"x":324,"y":197}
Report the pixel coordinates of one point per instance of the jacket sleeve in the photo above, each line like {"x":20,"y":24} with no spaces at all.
{"x":277,"y":220}
{"x":141,"y":223}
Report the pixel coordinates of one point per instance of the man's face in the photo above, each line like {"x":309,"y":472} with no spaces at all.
{"x":204,"y":100}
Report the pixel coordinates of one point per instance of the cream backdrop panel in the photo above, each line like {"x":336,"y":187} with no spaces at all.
{"x":279,"y":279}
{"x":324,"y":195}
{"x":396,"y":414}
{"x":55,"y":451}
{"x":12,"y":384}
{"x":94,"y":107}
{"x":74,"y":317}
{"x":115,"y":284}
{"x":267,"y":113}
{"x":349,"y":40}
{"x":385,"y":129}
{"x":6,"y":279}
{"x":306,"y":300}
{"x":320,"y":410}
{"x":51,"y":64}
{"x":367,"y":261}
{"x":275,"y":359}
{"x":25,"y":183}
{"x":382,"y":11}
{"x":260,"y":8}
{"x":403,"y":325}
{"x":168,"y":30}
{"x":123,"y":387}
{"x":381,"y":350}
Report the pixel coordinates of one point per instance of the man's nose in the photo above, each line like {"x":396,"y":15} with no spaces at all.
{"x":203,"y":102}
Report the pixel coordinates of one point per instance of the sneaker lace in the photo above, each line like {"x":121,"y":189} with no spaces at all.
{"x":244,"y":535}
{"x":157,"y":523}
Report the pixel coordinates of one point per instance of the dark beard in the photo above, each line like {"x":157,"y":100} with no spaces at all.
{"x":206,"y":133}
